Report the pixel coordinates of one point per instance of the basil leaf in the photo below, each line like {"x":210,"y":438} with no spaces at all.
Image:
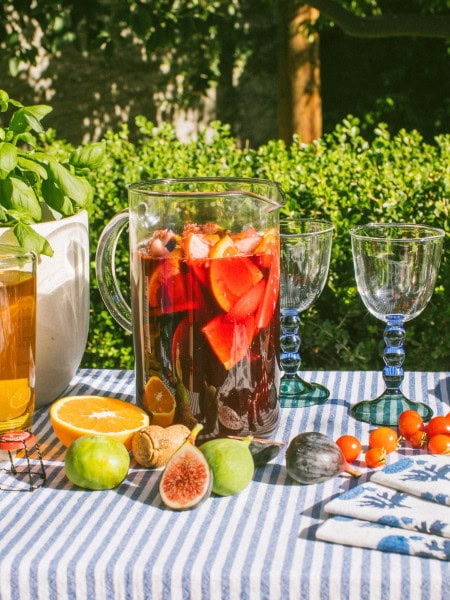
{"x":19,"y":197}
{"x":30,"y":240}
{"x":29,"y":117}
{"x":30,"y":165}
{"x":91,"y":156}
{"x":4,"y":101}
{"x":77,"y":189}
{"x":56,"y":199}
{"x":8,"y":158}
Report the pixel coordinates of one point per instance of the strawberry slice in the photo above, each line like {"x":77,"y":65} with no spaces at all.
{"x":230,"y":340}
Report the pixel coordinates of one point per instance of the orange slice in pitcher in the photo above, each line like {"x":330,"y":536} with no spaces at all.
{"x":231,"y":278}
{"x":159,"y":402}
{"x":75,"y":416}
{"x":230,"y":340}
{"x":247,"y":304}
{"x":269,"y":301}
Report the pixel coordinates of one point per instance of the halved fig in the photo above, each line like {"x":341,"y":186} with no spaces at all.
{"x":187,"y":479}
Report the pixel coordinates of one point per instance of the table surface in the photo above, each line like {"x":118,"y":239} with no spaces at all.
{"x":63,"y":542}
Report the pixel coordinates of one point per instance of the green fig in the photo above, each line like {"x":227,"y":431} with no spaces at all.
{"x":231,"y":463}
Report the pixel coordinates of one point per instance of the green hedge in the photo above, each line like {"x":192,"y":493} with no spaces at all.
{"x":343,"y":177}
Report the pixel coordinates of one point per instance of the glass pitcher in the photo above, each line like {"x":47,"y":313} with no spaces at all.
{"x":205,"y":270}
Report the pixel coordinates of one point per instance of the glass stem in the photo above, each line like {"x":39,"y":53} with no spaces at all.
{"x":290,"y":342}
{"x":394,"y":354}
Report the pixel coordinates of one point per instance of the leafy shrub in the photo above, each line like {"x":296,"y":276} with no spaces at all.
{"x":342,"y":177}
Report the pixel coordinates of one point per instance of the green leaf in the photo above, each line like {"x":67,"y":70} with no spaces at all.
{"x":75,"y":188}
{"x":8,"y":159}
{"x":30,"y":240}
{"x":91,"y":156}
{"x":55,"y":198}
{"x":29,"y":117}
{"x":19,"y":197}
{"x":4,"y":101}
{"x":27,"y":164}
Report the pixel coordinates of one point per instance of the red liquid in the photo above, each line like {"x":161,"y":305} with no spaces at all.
{"x":211,"y":325}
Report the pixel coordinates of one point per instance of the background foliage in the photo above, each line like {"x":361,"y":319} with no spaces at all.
{"x":346,"y":177}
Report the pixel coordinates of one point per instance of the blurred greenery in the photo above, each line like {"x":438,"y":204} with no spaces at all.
{"x":345,"y":176}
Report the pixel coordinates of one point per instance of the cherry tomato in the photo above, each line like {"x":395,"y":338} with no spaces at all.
{"x":350,"y":446}
{"x":418,"y":439}
{"x":409,"y":422}
{"x":375,"y":457}
{"x":439,"y":444}
{"x":384,"y":437}
{"x":438,"y":425}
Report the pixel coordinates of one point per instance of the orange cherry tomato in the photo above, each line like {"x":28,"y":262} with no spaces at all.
{"x":350,"y":447}
{"x":418,"y":439}
{"x":438,"y":425}
{"x":439,"y":444}
{"x":375,"y":457}
{"x":409,"y":422}
{"x":384,"y":437}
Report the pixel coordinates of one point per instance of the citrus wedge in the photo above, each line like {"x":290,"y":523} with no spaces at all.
{"x":159,"y":402}
{"x":224,"y":247}
{"x":231,"y":278}
{"x":75,"y":416}
{"x":15,"y":396}
{"x":230,"y":340}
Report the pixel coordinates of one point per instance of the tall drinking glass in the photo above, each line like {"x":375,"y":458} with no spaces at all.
{"x":305,"y":259}
{"x":396,"y":266}
{"x":17,"y":338}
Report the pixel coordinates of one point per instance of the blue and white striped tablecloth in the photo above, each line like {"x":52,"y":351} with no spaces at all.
{"x":61,"y":542}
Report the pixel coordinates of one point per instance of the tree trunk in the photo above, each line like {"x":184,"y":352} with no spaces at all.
{"x":300,"y":104}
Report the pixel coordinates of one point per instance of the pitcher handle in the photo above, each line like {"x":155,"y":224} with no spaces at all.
{"x":106,"y":271}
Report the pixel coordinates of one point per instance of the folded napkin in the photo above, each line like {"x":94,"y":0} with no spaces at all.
{"x":404,"y":508}
{"x":354,"y":532}
{"x":426,"y":476}
{"x":388,"y":506}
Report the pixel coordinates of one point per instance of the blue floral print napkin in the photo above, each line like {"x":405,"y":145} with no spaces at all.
{"x":426,"y":476}
{"x":388,"y":506}
{"x":354,"y":532}
{"x":404,"y":508}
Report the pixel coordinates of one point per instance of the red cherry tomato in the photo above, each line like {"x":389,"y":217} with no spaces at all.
{"x":375,"y":457}
{"x":438,"y":425}
{"x":384,"y":437}
{"x":409,"y":422}
{"x":439,"y":444}
{"x":350,"y":447}
{"x":418,"y":439}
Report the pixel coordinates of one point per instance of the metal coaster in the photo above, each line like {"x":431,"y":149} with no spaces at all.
{"x":20,"y":476}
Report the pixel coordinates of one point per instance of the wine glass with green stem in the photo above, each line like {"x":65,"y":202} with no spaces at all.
{"x":396,"y":266}
{"x":305,"y":260}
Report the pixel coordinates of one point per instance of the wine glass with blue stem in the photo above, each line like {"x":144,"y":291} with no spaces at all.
{"x":396,"y":267}
{"x":305,"y":260}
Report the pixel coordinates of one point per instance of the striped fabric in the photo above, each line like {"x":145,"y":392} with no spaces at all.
{"x":62,"y":542}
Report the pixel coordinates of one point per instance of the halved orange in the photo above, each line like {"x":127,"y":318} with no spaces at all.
{"x":75,"y":416}
{"x":159,"y":402}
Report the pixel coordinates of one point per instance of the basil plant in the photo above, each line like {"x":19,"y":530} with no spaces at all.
{"x":35,"y":185}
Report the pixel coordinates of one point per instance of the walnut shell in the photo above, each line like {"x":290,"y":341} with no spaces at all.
{"x":153,"y":445}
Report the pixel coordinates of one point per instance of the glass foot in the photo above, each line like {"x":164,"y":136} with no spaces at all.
{"x":295,"y":392}
{"x":386,"y":409}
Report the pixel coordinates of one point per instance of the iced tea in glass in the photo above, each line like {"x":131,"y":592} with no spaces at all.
{"x":17,"y":338}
